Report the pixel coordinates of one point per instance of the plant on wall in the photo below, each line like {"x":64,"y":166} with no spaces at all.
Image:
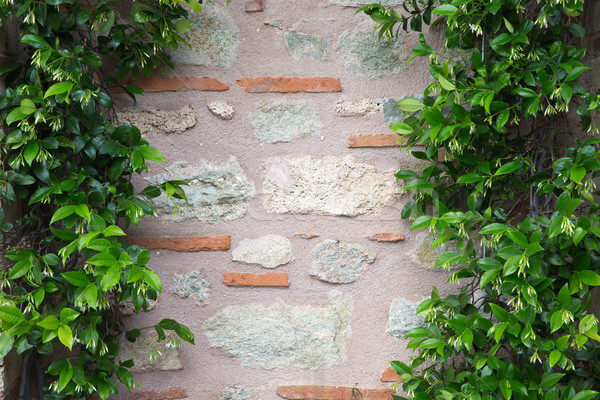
{"x":506,"y":134}
{"x":69,"y":167}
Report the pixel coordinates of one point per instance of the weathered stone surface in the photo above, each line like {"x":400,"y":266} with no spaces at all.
{"x":268,"y":251}
{"x":370,"y":57}
{"x":360,"y":3}
{"x":283,"y":335}
{"x":403,"y":317}
{"x":159,"y":122}
{"x":313,"y":47}
{"x":339,"y":262}
{"x":281,"y":122}
{"x":150,"y":355}
{"x":217,"y":191}
{"x":191,"y":286}
{"x":425,"y":255}
{"x":391,"y":113}
{"x":221,"y":109}
{"x":358,"y":108}
{"x":327,"y":186}
{"x":214,"y":39}
{"x":238,"y":393}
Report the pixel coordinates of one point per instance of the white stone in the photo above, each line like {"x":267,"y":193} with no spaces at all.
{"x":221,"y":109}
{"x":403,"y":317}
{"x":327,"y":186}
{"x":269,"y":251}
{"x":358,"y":108}
{"x":152,"y":123}
{"x":149,"y":354}
{"x":339,"y":262}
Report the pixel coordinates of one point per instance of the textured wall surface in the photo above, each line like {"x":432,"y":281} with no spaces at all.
{"x":290,"y":262}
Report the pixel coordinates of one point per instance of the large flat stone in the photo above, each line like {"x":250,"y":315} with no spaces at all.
{"x":339,"y":262}
{"x":238,"y":393}
{"x":191,"y":285}
{"x":268,"y":251}
{"x":217,"y":191}
{"x":368,"y":56}
{"x":313,"y":47}
{"x":159,"y":122}
{"x":403,"y":317}
{"x":283,"y":335}
{"x":282,"y":122}
{"x":214,"y":39}
{"x":327,"y":186}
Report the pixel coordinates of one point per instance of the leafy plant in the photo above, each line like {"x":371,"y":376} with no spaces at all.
{"x":69,"y":166}
{"x":510,"y":178}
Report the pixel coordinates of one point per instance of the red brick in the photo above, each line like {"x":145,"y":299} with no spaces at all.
{"x":306,"y":235}
{"x":332,"y":393}
{"x":376,"y":140}
{"x":255,"y":5}
{"x":205,"y":243}
{"x":174,"y":83}
{"x":162,"y":395}
{"x":389,"y":375}
{"x":275,"y":279}
{"x":289,"y":85}
{"x":387,"y":237}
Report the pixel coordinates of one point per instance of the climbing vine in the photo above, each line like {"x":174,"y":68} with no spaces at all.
{"x":506,"y":133}
{"x":67,"y":166}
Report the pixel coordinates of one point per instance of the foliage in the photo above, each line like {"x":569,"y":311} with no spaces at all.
{"x":509,"y":181}
{"x":70,"y":169}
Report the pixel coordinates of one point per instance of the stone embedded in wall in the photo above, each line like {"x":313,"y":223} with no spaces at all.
{"x":238,"y":393}
{"x":149,"y":354}
{"x":391,"y":113}
{"x":282,"y":122}
{"x":403,"y":317}
{"x":313,"y":47}
{"x":370,"y":57}
{"x":360,"y":3}
{"x":268,"y":251}
{"x":282,"y":335}
{"x":221,"y":109}
{"x":425,"y":255}
{"x":358,"y":108}
{"x":159,"y":122}
{"x":217,"y":191}
{"x":327,"y":186}
{"x":339,"y":262}
{"x":191,"y":286}
{"x":213,"y":38}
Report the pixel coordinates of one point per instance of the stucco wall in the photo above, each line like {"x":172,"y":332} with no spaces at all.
{"x":292,"y":182}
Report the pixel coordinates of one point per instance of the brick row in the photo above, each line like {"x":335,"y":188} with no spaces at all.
{"x":376,"y":140}
{"x":255,"y":280}
{"x":204,"y":243}
{"x":313,"y":392}
{"x":169,"y":394}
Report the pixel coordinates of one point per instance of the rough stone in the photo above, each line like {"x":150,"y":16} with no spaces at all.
{"x":358,"y":108}
{"x":403,"y":317}
{"x":360,"y":3}
{"x":217,"y":191}
{"x":339,"y":262}
{"x":191,"y":286}
{"x":159,"y":122}
{"x":281,"y":122}
{"x":221,"y":109}
{"x":370,"y":57}
{"x":327,"y":186}
{"x":214,"y":39}
{"x":283,"y":335}
{"x":238,"y":393}
{"x":149,"y":354}
{"x":425,"y":255}
{"x":313,"y":47}
{"x":391,"y":113}
{"x":268,"y":251}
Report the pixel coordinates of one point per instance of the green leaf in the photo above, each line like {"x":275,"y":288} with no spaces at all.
{"x":31,"y":151}
{"x":65,"y":377}
{"x":104,"y":259}
{"x":152,"y":279}
{"x":50,"y":322}
{"x":499,"y":312}
{"x":67,"y":315}
{"x":508,"y":168}
{"x":577,"y":174}
{"x":111,"y":278}
{"x":150,"y":153}
{"x":585,"y":395}
{"x":15,"y":115}
{"x":469,"y":178}
{"x":62,"y":212}
{"x":493,"y":229}
{"x":409,"y":104}
{"x":6,"y":344}
{"x":27,"y":106}
{"x":183,"y":26}
{"x":35,"y":41}
{"x":422,"y":222}
{"x":589,"y":278}
{"x":65,"y":335}
{"x":575,"y":72}
{"x":446,"y":84}
{"x":554,"y":357}
{"x":58,"y":88}
{"x":113,"y":230}
{"x":551,"y":379}
{"x":76,"y":278}
{"x":11,"y":314}
{"x":445,"y":9}
{"x":108,"y":23}
{"x":401,"y":128}
{"x":194,"y":5}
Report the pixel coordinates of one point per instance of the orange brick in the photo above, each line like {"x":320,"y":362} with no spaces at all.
{"x":270,"y":279}
{"x":306,"y":235}
{"x":389,"y":375}
{"x":311,"y":392}
{"x":289,"y":85}
{"x":255,"y":5}
{"x":387,"y":237}
{"x":205,"y":243}
{"x":174,"y":83}
{"x":162,"y":395}
{"x":376,"y":140}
